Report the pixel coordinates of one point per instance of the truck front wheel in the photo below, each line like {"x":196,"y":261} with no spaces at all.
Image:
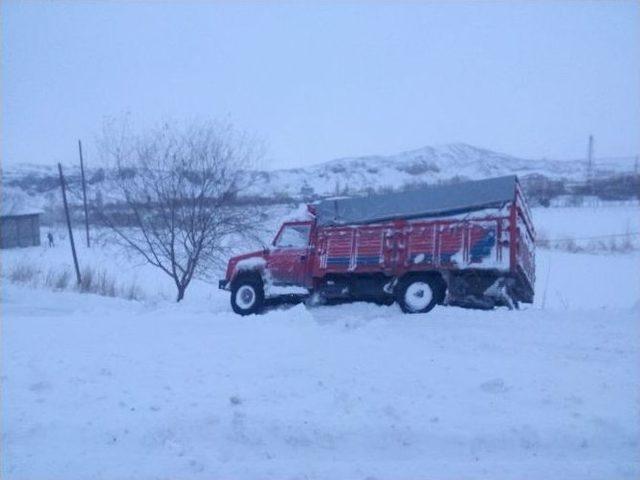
{"x":417,"y":294}
{"x":247,"y":296}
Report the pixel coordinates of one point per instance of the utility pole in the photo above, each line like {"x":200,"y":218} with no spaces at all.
{"x":590,"y":166}
{"x":637,"y":175}
{"x":66,"y":212}
{"x":84,"y":195}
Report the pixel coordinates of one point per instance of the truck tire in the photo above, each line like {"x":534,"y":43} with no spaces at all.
{"x":417,"y":294}
{"x":247,"y":296}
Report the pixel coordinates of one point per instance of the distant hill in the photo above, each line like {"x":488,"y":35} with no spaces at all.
{"x":424,"y":165}
{"x":432,"y":164}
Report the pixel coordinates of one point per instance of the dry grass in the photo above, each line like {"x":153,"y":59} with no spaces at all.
{"x":95,"y":281}
{"x":613,"y":244}
{"x":98,"y":282}
{"x":23,"y":273}
{"x":57,"y":279}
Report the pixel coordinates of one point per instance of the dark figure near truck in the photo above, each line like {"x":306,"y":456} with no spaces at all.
{"x":468,"y":244}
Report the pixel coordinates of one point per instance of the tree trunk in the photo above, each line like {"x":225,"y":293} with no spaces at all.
{"x":180,"y":293}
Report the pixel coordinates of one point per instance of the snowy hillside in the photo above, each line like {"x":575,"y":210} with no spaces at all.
{"x":345,"y":175}
{"x":428,"y":164}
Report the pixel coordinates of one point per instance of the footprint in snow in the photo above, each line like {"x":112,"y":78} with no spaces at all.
{"x":40,"y":387}
{"x":196,"y":466}
{"x":494,"y":386}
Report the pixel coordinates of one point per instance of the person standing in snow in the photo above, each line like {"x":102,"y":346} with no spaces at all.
{"x":50,"y":238}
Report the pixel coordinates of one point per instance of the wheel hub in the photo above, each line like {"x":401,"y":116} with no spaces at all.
{"x":246,"y":297}
{"x":418,"y":296}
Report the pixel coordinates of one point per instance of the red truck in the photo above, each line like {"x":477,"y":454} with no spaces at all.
{"x":468,"y":244}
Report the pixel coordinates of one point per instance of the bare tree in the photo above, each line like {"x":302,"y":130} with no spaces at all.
{"x":177,"y":189}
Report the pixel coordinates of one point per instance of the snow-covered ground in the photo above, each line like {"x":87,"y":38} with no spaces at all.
{"x":607,"y":224}
{"x":97,"y":387}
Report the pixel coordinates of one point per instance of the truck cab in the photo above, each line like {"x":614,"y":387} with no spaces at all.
{"x":291,"y":253}
{"x":281,"y":269}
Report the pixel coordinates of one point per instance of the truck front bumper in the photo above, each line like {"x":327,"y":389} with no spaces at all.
{"x":222,"y":284}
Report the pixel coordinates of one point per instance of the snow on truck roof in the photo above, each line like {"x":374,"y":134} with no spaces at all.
{"x":423,"y":202}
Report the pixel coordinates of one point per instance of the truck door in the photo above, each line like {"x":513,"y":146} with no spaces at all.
{"x":287,"y":261}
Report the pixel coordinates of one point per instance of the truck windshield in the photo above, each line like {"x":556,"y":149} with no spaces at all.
{"x":293,"y":236}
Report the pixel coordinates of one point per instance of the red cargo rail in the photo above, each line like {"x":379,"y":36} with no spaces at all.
{"x":396,"y":248}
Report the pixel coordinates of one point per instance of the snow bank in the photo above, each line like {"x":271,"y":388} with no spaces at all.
{"x":116,"y":389}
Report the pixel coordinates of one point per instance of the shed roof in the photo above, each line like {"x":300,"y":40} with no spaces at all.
{"x":19,"y":212}
{"x":427,"y":201}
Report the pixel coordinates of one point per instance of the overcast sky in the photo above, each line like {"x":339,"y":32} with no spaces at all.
{"x":318,"y":81}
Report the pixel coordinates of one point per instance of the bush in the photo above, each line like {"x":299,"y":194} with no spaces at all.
{"x":133,"y":292}
{"x":419,"y":167}
{"x":621,"y":244}
{"x":626,"y":245}
{"x":93,"y":281}
{"x":57,"y":279}
{"x":575,"y":201}
{"x":23,"y":273}
{"x":569,"y":245}
{"x":98,"y":282}
{"x":542,"y":240}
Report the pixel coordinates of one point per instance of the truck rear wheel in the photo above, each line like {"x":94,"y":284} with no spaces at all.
{"x":247,"y":296}
{"x":417,"y":294}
